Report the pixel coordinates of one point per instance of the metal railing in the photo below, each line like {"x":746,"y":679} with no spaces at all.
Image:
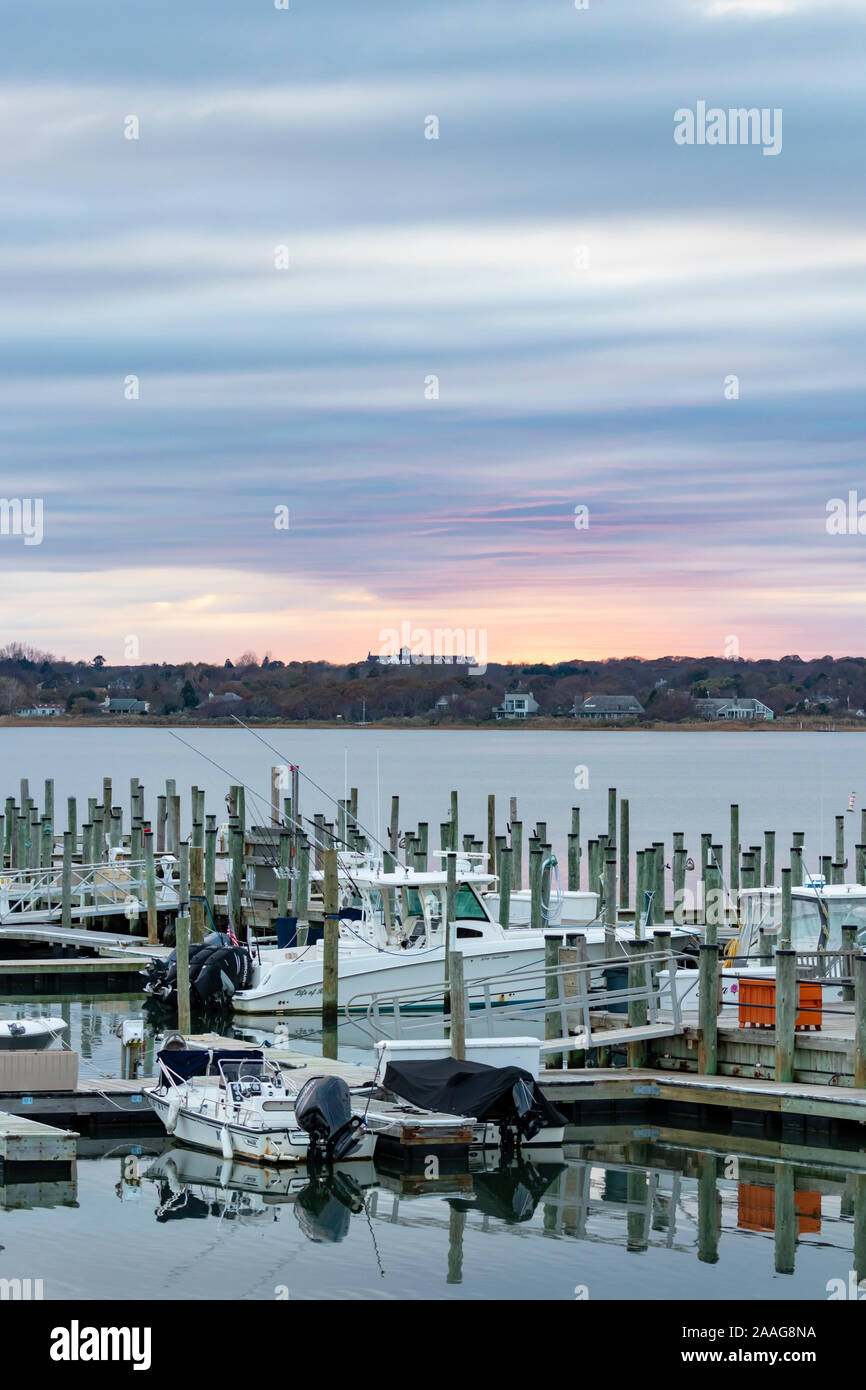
{"x":571,"y":993}
{"x":95,"y":890}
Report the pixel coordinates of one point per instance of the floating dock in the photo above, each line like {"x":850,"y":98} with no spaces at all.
{"x":24,"y":1140}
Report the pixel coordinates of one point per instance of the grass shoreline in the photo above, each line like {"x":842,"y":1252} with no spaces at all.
{"x":565,"y":724}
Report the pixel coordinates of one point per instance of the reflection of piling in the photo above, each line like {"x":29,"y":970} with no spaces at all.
{"x":784,"y":1218}
{"x":709,"y":1210}
{"x":637,"y":1238}
{"x":858,"y":1185}
{"x":456,"y":1227}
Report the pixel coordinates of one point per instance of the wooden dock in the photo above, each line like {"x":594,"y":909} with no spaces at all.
{"x":24,"y":1140}
{"x":628,"y":1088}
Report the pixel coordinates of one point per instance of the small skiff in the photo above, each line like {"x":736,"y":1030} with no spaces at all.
{"x":29,"y":1034}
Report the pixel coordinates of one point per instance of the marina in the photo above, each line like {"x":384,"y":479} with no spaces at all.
{"x":609,"y":987}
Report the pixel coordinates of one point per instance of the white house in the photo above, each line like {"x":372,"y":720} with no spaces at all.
{"x":734,"y":709}
{"x":516,"y":705}
{"x":46,"y":711}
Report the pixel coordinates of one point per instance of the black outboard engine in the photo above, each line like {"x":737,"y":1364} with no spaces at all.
{"x":217,"y":968}
{"x":323,"y":1109}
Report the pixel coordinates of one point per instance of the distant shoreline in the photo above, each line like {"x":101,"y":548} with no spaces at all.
{"x":564,"y":725}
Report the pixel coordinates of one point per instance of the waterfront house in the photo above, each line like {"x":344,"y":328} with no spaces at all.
{"x":516,"y":705}
{"x":608,"y":707}
{"x":114,"y":706}
{"x":41,"y":711}
{"x":737,"y":708}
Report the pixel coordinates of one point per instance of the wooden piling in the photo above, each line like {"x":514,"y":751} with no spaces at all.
{"x":611,"y":817}
{"x":516,"y":855}
{"x":638,"y":1013}
{"x":210,"y":839}
{"x":236,"y":876}
{"x":840,"y":840}
{"x":66,"y":882}
{"x":708,"y":1003}
{"x":769,"y":858}
{"x":552,"y":1019}
{"x":535,"y":885}
{"x":453,"y":822}
{"x":173,"y":827}
{"x":609,"y":903}
{"x":734,"y":851}
{"x":505,"y":887}
{"x":624,"y":853}
{"x":150,"y":889}
{"x":786,"y":1012}
{"x":196,"y":893}
{"x":785,"y":929}
{"x":860,"y":1024}
{"x":796,"y":866}
{"x":182,"y":956}
{"x":457,"y":989}
{"x":860,"y":851}
{"x":301,"y":903}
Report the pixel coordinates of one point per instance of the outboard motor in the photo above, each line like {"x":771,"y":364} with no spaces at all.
{"x":323,"y":1109}
{"x":216,"y":969}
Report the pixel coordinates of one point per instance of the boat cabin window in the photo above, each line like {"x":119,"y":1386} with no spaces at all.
{"x":469,"y":931}
{"x":467,"y":904}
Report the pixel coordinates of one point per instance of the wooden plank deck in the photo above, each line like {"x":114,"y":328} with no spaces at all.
{"x":611,"y":1084}
{"x":23,"y":1140}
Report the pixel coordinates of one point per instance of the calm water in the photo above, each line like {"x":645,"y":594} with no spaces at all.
{"x":625,"y":1213}
{"x":783,"y":781}
{"x":618,"y":1219}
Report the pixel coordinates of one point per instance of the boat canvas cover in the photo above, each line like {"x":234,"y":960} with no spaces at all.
{"x":467,"y":1088}
{"x":196,"y":1061}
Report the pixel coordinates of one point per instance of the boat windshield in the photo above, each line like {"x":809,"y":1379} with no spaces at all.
{"x":806,"y":922}
{"x":467,"y":904}
{"x":245,"y":1069}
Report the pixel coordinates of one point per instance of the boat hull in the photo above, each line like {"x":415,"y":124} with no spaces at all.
{"x":296,"y":987}
{"x":282,"y":1144}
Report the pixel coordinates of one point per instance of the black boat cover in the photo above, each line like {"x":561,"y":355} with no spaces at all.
{"x":187,"y":1062}
{"x":473,"y":1088}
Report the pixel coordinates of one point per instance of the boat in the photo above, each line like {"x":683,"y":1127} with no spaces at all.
{"x":393,"y":938}
{"x":504,"y":1104}
{"x":818,"y":912}
{"x":29,"y":1034}
{"x":244,"y":1107}
{"x":569,"y":908}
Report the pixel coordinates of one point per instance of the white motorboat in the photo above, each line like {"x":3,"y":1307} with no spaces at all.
{"x":818,"y":913}
{"x":29,"y":1034}
{"x":241,"y":1106}
{"x":568,"y":908}
{"x":393,"y":938}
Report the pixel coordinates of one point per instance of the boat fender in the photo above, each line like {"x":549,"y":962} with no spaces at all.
{"x":174,"y":1102}
{"x":226,"y":1143}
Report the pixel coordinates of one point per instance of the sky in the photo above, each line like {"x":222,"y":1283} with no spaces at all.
{"x":288,"y":375}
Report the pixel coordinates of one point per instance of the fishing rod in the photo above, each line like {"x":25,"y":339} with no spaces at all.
{"x":368,"y":833}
